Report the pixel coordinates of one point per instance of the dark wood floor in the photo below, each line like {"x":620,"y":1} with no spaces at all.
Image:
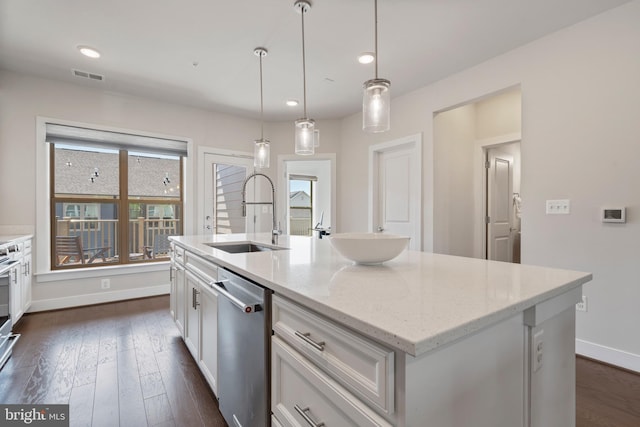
{"x":606,"y":396}
{"x":124,"y":364}
{"x":120,"y":364}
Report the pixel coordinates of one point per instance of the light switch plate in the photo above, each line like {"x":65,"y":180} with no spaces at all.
{"x":558,"y":207}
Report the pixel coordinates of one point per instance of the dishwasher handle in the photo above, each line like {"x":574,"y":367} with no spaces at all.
{"x":245,"y":307}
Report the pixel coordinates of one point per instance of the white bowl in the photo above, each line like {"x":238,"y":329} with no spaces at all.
{"x":369,"y":248}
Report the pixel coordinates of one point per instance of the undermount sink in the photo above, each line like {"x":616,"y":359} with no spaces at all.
{"x":243,"y":247}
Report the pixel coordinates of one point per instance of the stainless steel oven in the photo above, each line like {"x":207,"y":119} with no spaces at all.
{"x":8,"y":274}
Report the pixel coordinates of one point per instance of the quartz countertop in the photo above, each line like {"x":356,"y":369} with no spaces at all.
{"x":413,"y":303}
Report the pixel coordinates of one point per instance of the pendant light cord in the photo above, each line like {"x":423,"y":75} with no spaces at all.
{"x":304,"y":67}
{"x":375,"y":25}
{"x":261,"y":103}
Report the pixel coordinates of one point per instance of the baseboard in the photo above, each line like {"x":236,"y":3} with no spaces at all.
{"x":97,"y":298}
{"x":608,"y":355}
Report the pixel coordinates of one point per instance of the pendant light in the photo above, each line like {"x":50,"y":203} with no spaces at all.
{"x":376,"y":98}
{"x":304,"y":127}
{"x":261,"y":147}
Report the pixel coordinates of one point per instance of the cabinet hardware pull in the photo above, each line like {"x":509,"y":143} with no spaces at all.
{"x":171,"y":274}
{"x":306,"y":338}
{"x":307,"y":418}
{"x":196,"y":303}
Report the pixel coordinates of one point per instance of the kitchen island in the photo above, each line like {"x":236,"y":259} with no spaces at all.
{"x":424,"y":339}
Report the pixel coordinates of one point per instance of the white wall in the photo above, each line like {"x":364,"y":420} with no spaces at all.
{"x":455,"y":132}
{"x":580,"y":132}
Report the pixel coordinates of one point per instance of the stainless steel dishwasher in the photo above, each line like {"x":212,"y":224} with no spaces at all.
{"x":244,"y":337}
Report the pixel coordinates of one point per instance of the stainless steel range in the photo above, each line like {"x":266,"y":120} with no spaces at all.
{"x":7,"y":275}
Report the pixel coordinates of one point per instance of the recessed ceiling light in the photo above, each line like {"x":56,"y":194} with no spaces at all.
{"x":292,"y":102}
{"x":89,"y":51}
{"x":366,"y":58}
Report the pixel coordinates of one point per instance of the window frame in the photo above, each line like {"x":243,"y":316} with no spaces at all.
{"x":122,"y":202}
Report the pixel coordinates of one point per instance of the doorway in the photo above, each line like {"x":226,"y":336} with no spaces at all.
{"x":503,"y":202}
{"x":221,"y":196}
{"x":307,"y":191}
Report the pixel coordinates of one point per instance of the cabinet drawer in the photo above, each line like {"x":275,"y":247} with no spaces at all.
{"x":362,"y":366}
{"x":205,"y":270}
{"x":178,"y":254}
{"x":303,"y":396}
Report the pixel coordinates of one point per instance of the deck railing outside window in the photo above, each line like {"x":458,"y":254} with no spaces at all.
{"x":103,"y":233}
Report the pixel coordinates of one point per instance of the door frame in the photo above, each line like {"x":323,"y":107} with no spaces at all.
{"x":413,"y":142}
{"x":282,"y":191}
{"x":201,"y":202}
{"x":481,"y":148}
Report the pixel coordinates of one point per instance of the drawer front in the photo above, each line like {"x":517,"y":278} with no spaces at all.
{"x":178,"y":254}
{"x":203,"y":268}
{"x":27,"y":246}
{"x":362,"y":366}
{"x":304,"y":396}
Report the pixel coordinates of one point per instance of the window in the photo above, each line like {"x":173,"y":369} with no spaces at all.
{"x":112,"y":203}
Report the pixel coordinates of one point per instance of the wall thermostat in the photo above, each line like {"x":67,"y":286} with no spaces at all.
{"x":614,"y":215}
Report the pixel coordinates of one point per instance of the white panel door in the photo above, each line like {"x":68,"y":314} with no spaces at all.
{"x":396,"y":177}
{"x":222,"y":193}
{"x":499,"y":206}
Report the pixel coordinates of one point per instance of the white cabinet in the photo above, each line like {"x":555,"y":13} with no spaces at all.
{"x":178,"y":292}
{"x":208,"y":359}
{"x":15,"y":292}
{"x":192,"y":324}
{"x":322,"y":372}
{"x":303,"y":395}
{"x":26,"y":264}
{"x":21,"y":276}
{"x":195,"y":309}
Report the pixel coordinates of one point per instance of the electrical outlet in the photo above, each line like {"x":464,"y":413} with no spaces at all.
{"x":582,"y":305}
{"x":105,"y":283}
{"x":558,"y":207}
{"x":537,"y":350}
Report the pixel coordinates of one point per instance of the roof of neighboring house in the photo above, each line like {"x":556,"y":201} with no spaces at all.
{"x":147,"y":175}
{"x":299,"y":199}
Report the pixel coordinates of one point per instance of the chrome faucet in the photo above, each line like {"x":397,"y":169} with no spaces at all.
{"x":275,"y":232}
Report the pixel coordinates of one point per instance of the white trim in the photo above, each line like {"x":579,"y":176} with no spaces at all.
{"x":609,"y":355}
{"x":411,"y":141}
{"x":282,"y":191}
{"x":43,"y":214}
{"x":106,"y":271}
{"x":480,"y":187}
{"x":98,"y":298}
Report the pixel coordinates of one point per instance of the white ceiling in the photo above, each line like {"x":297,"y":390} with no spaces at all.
{"x":149,"y":46}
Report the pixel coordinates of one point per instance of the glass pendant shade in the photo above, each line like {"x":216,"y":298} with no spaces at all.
{"x":261,"y":153}
{"x":376,"y":103}
{"x":304,"y":136}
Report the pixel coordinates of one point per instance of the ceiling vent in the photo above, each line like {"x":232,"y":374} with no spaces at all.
{"x":87,"y":75}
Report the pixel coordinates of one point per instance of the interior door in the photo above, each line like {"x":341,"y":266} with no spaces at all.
{"x":397,"y":200}
{"x":223,"y":179}
{"x":499,"y":205}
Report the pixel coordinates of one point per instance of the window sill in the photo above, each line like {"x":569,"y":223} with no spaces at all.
{"x":107,"y":271}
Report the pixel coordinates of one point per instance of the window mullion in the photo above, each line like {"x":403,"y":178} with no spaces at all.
{"x":123,"y":206}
